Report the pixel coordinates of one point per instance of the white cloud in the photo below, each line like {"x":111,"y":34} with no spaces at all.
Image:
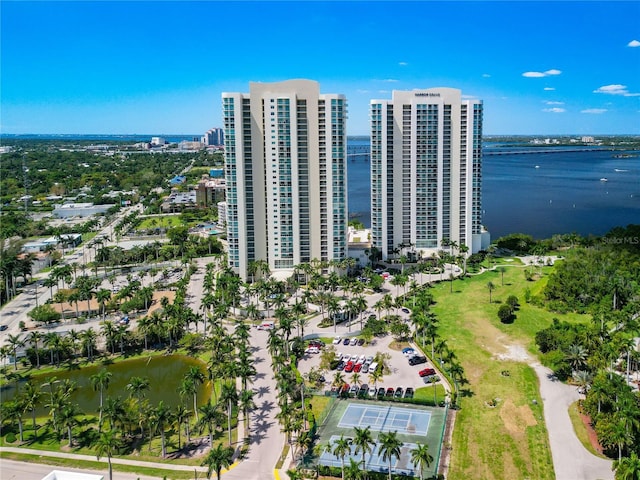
{"x":616,"y":89}
{"x":390,"y":80}
{"x":554,"y":103}
{"x":553,"y":71}
{"x":554,"y":110}
{"x":403,"y":64}
{"x":485,"y":75}
{"x":533,"y":74}
{"x":594,"y":110}
{"x":362,"y":91}
{"x":633,"y":43}
{"x":549,"y":89}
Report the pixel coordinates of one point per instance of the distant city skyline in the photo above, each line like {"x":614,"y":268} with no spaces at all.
{"x":545,"y":68}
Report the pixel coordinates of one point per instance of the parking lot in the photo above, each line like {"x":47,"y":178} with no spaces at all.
{"x":401,"y":373}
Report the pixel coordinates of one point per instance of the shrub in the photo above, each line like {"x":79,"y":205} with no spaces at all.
{"x":10,"y":437}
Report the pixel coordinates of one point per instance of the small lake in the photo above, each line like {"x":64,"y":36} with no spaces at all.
{"x":165,"y":373}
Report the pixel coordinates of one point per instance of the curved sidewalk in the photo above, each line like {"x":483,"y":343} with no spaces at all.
{"x":571,"y":461}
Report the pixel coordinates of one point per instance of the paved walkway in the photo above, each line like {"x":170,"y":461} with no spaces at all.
{"x":571,"y":460}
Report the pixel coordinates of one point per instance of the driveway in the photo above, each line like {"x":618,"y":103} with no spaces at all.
{"x":571,"y":461}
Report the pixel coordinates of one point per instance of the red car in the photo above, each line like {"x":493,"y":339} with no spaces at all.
{"x":357,"y":368}
{"x":426,"y":371}
{"x":348,"y":367}
{"x":345,"y":388}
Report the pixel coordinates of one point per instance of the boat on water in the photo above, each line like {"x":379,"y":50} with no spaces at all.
{"x":537,"y":166}
{"x":603,"y":179}
{"x":619,"y":170}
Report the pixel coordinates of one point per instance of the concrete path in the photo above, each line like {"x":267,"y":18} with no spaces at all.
{"x":571,"y":461}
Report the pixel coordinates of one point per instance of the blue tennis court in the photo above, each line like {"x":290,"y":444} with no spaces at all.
{"x":386,"y":419}
{"x":374,"y":460}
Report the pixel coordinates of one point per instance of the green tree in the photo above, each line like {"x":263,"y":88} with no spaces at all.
{"x":491,"y":287}
{"x":364,"y":443}
{"x":100,"y":382}
{"x":107,"y":446}
{"x":627,"y":468}
{"x":421,"y":458}
{"x":389,"y":447}
{"x":341,"y":448}
{"x":217,"y":459}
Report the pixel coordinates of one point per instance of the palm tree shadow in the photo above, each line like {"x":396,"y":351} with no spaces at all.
{"x":262,"y":391}
{"x":466,"y":392}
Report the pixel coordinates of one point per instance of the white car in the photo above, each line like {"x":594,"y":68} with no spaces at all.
{"x":361,"y":359}
{"x":336,"y":340}
{"x":369,"y":359}
{"x":354,"y":341}
{"x":312,"y":350}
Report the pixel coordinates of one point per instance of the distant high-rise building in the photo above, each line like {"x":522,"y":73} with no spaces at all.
{"x":285,"y":166}
{"x":426,"y":172}
{"x":215,"y":136}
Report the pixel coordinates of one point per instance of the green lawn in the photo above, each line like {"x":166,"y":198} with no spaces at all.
{"x":164,"y":221}
{"x":500,"y":431}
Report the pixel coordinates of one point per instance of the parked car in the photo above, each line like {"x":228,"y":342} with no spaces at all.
{"x":344,"y":389}
{"x":340,"y":366}
{"x":390,"y":392}
{"x":398,"y":393}
{"x":349,"y":367}
{"x":337,"y":340}
{"x":312,"y":350}
{"x":430,"y":379}
{"x":417,"y":359}
{"x":346,"y":341}
{"x":365,"y":368}
{"x":426,"y":371}
{"x":3,"y":328}
{"x":354,"y":342}
{"x":408,"y":393}
{"x":360,"y":342}
{"x":364,"y":388}
{"x":361,"y":359}
{"x":373,"y":391}
{"x":406,"y":310}
{"x":354,"y":390}
{"x":316,"y":343}
{"x":380,"y":392}
{"x":357,"y":367}
{"x":407,"y":352}
{"x":369,"y":359}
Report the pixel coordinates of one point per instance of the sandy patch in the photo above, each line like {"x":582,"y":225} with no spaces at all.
{"x":516,"y":353}
{"x":516,"y":419}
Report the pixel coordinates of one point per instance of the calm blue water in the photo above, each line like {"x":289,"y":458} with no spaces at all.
{"x":563,"y":195}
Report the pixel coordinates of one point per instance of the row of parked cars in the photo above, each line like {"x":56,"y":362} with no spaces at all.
{"x":365,"y":390}
{"x":355,"y":363}
{"x":348,"y":341}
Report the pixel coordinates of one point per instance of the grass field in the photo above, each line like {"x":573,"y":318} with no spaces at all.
{"x":500,"y":431}
{"x":163,"y":221}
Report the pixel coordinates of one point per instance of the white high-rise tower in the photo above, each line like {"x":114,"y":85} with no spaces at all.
{"x":426,"y":172}
{"x":285,"y":167}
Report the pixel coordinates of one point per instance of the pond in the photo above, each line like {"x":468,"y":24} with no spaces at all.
{"x":165,"y":374}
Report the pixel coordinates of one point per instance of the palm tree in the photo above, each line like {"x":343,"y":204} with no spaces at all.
{"x":196,"y":377}
{"x":34,"y":338}
{"x":209,"y":418}
{"x":421,"y":458}
{"x":181,"y":415}
{"x":389,"y":447}
{"x":100,"y":381}
{"x":628,"y":468}
{"x":246,"y":405}
{"x":31,"y":396}
{"x":162,"y":416}
{"x":14,"y":343}
{"x":491,"y":287}
{"x":107,"y":445}
{"x":230,"y":396}
{"x":341,"y":448}
{"x":68,"y":419}
{"x":217,"y":459}
{"x":576,"y":356}
{"x":364,"y":442}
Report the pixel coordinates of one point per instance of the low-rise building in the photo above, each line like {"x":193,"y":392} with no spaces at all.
{"x":67,"y":210}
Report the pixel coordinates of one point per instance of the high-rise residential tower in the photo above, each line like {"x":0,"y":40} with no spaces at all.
{"x":285,"y":167}
{"x":426,"y":172}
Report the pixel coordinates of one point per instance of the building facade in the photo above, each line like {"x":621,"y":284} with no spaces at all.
{"x":285,"y":167}
{"x":215,"y":136}
{"x":426,"y":172}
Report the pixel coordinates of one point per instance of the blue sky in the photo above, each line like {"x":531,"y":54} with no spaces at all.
{"x":159,"y":67}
